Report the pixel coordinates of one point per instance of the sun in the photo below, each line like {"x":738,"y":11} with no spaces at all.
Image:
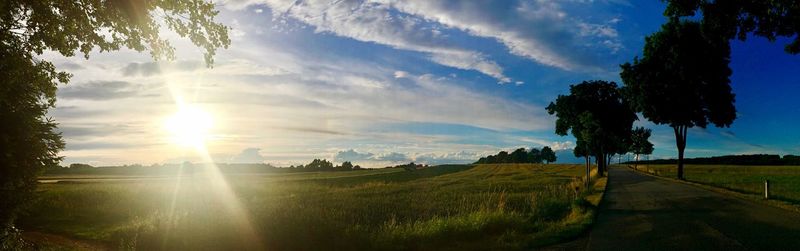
{"x":189,"y":126}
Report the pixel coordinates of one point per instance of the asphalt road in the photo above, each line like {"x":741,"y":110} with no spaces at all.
{"x":641,"y":212}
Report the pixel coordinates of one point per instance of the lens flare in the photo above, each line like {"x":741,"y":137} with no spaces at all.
{"x":189,"y":126}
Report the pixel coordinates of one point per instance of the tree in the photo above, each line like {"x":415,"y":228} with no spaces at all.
{"x":347,"y":165}
{"x":736,"y":19}
{"x":640,"y":143}
{"x":28,"y":139}
{"x":502,"y":157}
{"x":682,"y":80}
{"x":535,"y":155}
{"x":548,"y":155}
{"x":597,"y":115}
{"x":518,"y":156}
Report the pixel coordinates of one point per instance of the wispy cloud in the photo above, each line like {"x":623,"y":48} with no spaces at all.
{"x":101,"y":90}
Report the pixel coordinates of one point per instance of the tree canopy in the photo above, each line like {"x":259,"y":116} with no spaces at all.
{"x":69,"y":26}
{"x":640,"y":142}
{"x":28,"y":139}
{"x":738,"y":19}
{"x":548,"y":155}
{"x":682,"y":80}
{"x":597,"y":115}
{"x":520,"y":155}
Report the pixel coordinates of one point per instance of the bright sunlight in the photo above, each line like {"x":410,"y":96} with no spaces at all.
{"x":189,"y":126}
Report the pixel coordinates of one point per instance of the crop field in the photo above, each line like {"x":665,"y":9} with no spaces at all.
{"x":784,"y":180}
{"x":491,"y":206}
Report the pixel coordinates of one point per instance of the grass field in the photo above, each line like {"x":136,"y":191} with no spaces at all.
{"x":784,"y":180}
{"x":505,"y":206}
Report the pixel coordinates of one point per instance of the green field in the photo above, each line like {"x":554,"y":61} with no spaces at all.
{"x":784,"y":180}
{"x":491,"y":206}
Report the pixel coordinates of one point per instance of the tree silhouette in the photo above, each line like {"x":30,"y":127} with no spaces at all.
{"x":519,"y":156}
{"x":28,"y":140}
{"x":548,"y":155}
{"x":597,"y":115}
{"x":502,"y":157}
{"x":347,"y":165}
{"x":535,"y":155}
{"x":682,"y":80}
{"x":736,"y":19}
{"x":640,"y":143}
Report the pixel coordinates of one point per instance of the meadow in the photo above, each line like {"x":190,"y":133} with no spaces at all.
{"x":488,"y":206}
{"x":784,"y":180}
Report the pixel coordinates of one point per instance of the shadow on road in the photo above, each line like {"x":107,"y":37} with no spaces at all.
{"x":646,"y":213}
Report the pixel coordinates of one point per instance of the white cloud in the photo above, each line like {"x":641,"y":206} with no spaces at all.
{"x":539,"y":30}
{"x":375,"y":22}
{"x":248,"y":155}
{"x":400,"y":74}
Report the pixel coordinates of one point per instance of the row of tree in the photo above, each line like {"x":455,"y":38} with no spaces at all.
{"x":749,"y":159}
{"x":601,"y":119}
{"x":534,"y":155}
{"x":681,"y":80}
{"x":189,"y":168}
{"x":325,"y":165}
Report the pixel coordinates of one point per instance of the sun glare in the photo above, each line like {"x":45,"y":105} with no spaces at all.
{"x":189,"y":126}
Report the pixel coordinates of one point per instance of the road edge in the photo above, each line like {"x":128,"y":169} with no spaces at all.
{"x":724,"y":191}
{"x":581,"y":241}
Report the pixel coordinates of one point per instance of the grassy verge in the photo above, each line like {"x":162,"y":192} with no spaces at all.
{"x":509,"y":207}
{"x":741,"y":181}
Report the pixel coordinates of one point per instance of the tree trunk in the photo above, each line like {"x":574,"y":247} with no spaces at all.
{"x":636,"y":162}
{"x":601,"y":164}
{"x":588,"y":172}
{"x":680,"y":140}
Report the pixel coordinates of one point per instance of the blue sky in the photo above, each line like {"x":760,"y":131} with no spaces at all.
{"x":384,"y":82}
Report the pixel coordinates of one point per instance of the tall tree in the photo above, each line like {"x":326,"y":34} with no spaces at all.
{"x":597,"y":115}
{"x":548,"y":155}
{"x":28,"y":140}
{"x":682,"y":80}
{"x":640,"y":142}
{"x":737,"y":19}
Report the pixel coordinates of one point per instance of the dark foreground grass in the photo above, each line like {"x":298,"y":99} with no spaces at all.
{"x":784,"y":180}
{"x":500,"y":207}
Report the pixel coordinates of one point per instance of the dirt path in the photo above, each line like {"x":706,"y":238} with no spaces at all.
{"x":646,"y":213}
{"x":60,"y":242}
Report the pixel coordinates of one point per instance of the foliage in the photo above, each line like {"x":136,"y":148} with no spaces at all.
{"x":319,"y":164}
{"x":28,"y":139}
{"x":346,"y":165}
{"x":682,"y":80}
{"x":483,"y":207}
{"x":33,"y":27}
{"x":534,"y":155}
{"x":740,"y":18}
{"x":597,"y":115}
{"x":640,"y":143}
{"x":548,"y":155}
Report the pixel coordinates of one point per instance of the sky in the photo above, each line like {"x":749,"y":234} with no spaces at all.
{"x":384,"y":82}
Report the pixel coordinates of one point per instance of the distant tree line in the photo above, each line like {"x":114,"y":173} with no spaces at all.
{"x":325,"y":165}
{"x":190,"y":168}
{"x":534,"y":155}
{"x":749,"y":159}
{"x":410,"y":166}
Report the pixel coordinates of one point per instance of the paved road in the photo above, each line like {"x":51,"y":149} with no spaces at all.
{"x":641,"y":212}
